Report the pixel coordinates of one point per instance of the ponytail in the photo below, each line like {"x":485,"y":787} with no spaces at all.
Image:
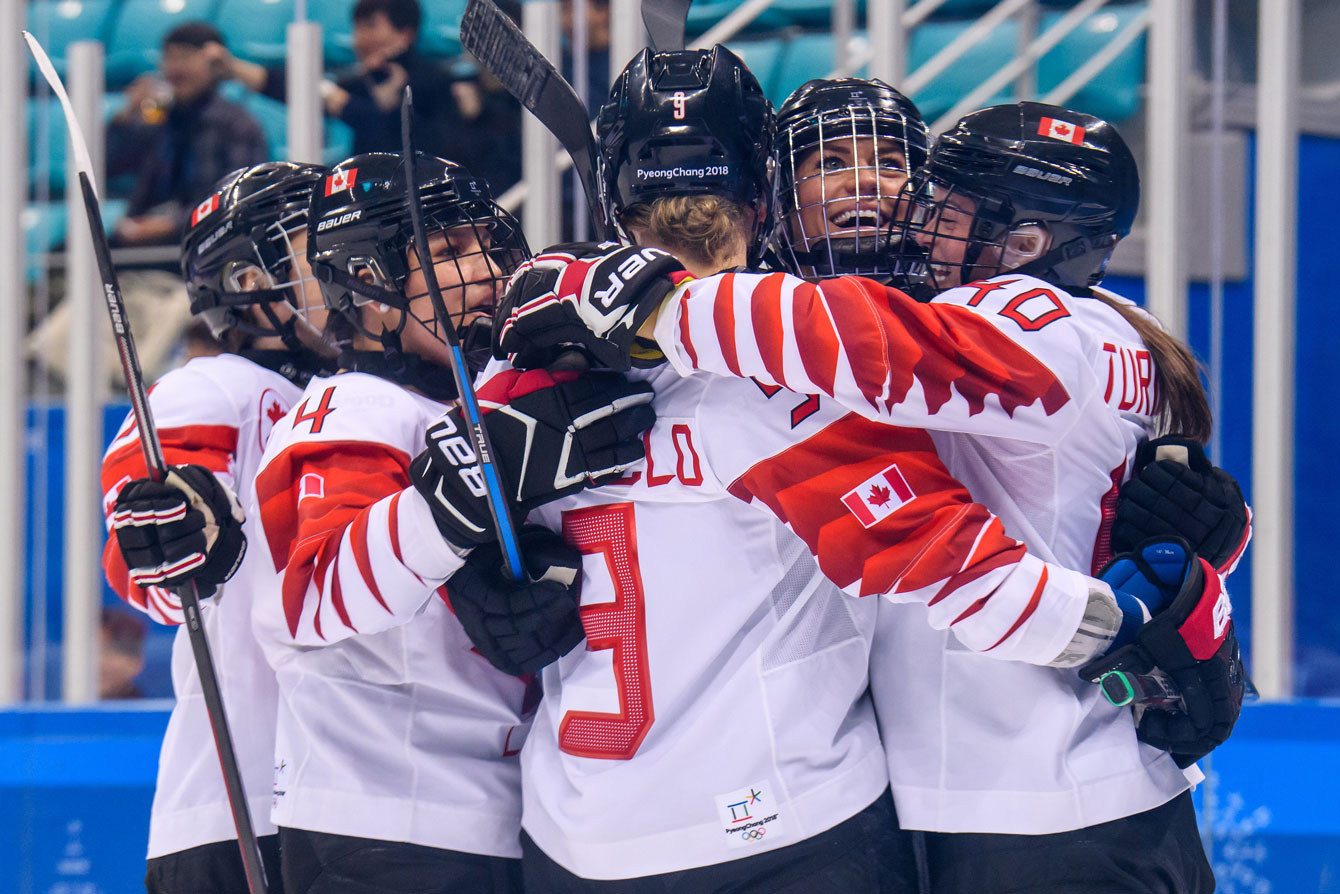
{"x":1181,"y":404}
{"x":706,"y":230}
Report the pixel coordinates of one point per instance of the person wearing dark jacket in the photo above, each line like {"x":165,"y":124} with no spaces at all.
{"x":177,"y":146}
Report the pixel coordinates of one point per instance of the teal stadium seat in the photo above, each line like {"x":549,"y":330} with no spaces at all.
{"x":810,"y":13}
{"x":764,"y":58}
{"x":46,"y":225}
{"x":256,"y":30}
{"x":336,"y":18}
{"x":58,"y":23}
{"x":135,"y":41}
{"x":1114,"y":94}
{"x":981,"y":61}
{"x":704,"y":14}
{"x":807,"y":55}
{"x":272,"y":117}
{"x":441,"y":32}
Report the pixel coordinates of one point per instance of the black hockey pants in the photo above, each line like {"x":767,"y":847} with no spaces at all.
{"x":867,"y":854}
{"x":321,"y":863}
{"x":214,"y":868}
{"x":1155,"y":852}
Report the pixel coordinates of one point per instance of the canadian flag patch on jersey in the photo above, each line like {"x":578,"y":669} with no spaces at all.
{"x":878,"y":497}
{"x":341,"y":180}
{"x":205,"y":209}
{"x":1058,"y":130}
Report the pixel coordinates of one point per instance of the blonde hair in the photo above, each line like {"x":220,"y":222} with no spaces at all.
{"x":706,"y":230}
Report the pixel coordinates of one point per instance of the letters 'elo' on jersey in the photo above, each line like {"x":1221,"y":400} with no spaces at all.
{"x":216,"y":412}
{"x":1036,"y":400}
{"x":719,"y":706}
{"x":390,"y":725}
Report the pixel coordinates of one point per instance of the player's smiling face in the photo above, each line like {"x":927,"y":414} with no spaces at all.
{"x":944,"y":235}
{"x":468,"y":278}
{"x":847,"y":187}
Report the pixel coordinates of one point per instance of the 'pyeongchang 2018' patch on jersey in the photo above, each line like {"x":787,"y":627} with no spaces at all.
{"x":879,"y":496}
{"x":749,"y":815}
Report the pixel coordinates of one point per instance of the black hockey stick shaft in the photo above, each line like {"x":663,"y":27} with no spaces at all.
{"x":154,"y":462}
{"x":500,"y":46}
{"x":666,"y":21}
{"x":496,"y":496}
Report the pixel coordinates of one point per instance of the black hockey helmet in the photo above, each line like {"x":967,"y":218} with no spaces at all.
{"x":1015,"y":166}
{"x":247,"y":224}
{"x":845,"y":148}
{"x":688,"y":123}
{"x":361,"y":238}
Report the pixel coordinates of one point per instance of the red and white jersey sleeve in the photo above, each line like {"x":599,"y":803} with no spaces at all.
{"x":216,"y":412}
{"x":983,"y":359}
{"x":201,"y":411}
{"x":353,"y":543}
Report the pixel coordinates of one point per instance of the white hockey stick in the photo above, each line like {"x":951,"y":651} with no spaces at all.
{"x":153,"y":458}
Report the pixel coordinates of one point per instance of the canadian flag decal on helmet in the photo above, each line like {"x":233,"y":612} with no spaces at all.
{"x":1061,"y":130}
{"x":341,"y":180}
{"x":205,"y":209}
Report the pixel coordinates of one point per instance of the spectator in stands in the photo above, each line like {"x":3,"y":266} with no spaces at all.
{"x":122,"y":656}
{"x":179,"y":148}
{"x":367,"y":98}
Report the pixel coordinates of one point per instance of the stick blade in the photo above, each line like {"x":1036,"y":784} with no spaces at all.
{"x":666,"y":21}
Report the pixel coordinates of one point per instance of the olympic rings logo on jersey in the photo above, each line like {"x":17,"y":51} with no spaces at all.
{"x":754,"y":834}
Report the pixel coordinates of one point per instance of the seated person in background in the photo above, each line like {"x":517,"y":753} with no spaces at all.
{"x":178,"y":153}
{"x":121,"y":658}
{"x":367,"y":96}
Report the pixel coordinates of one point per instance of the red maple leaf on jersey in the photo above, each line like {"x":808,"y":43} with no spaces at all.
{"x":275,"y":412}
{"x":879,"y":496}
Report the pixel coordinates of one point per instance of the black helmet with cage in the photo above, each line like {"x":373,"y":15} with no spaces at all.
{"x":247,"y":226}
{"x":360,"y":248}
{"x":845,"y":148}
{"x":689,"y":123}
{"x":1024,"y":187}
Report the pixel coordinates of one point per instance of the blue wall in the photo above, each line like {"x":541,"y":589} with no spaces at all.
{"x":76,"y":785}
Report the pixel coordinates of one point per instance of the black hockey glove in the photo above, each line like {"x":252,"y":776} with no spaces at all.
{"x":592,"y":296}
{"x":187,"y":528}
{"x":1191,"y":641}
{"x":521,"y":626}
{"x":548,"y":442}
{"x":1176,"y":491}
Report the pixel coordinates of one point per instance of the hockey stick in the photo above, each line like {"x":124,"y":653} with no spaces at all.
{"x":666,"y":21}
{"x":500,"y":46}
{"x":153,"y":459}
{"x":497,"y":500}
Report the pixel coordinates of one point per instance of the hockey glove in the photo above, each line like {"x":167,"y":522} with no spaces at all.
{"x":186,"y":528}
{"x":1177,"y":492}
{"x":584,"y":295}
{"x":521,"y":626}
{"x":1191,"y":641}
{"x":550,"y":439}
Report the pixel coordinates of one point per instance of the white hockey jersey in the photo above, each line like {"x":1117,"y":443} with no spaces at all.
{"x":1037,"y":400}
{"x":390,"y":725}
{"x":216,"y":412}
{"x":720,"y":707}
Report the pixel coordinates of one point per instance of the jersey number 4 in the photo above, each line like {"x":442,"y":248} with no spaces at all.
{"x":318,"y":416}
{"x":610,"y":532}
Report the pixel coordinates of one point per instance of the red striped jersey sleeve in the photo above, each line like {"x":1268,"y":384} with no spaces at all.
{"x":211,"y":446}
{"x":882,"y":515}
{"x":353,"y":545}
{"x":876,"y":351}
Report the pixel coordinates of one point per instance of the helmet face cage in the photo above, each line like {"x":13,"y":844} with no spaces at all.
{"x":239,"y":253}
{"x":948,"y":236}
{"x":841,"y":178}
{"x":474,"y":245}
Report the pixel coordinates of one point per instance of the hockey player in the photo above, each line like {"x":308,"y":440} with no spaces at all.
{"x":395,"y":763}
{"x":845,"y":149}
{"x":244,"y":263}
{"x":1044,"y":437}
{"x":704,"y":654}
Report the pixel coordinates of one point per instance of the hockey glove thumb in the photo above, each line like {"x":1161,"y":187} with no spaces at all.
{"x":521,"y":626}
{"x":186,"y":528}
{"x":1176,"y":491}
{"x":1190,"y":639}
{"x":584,"y":295}
{"x":550,"y":437}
